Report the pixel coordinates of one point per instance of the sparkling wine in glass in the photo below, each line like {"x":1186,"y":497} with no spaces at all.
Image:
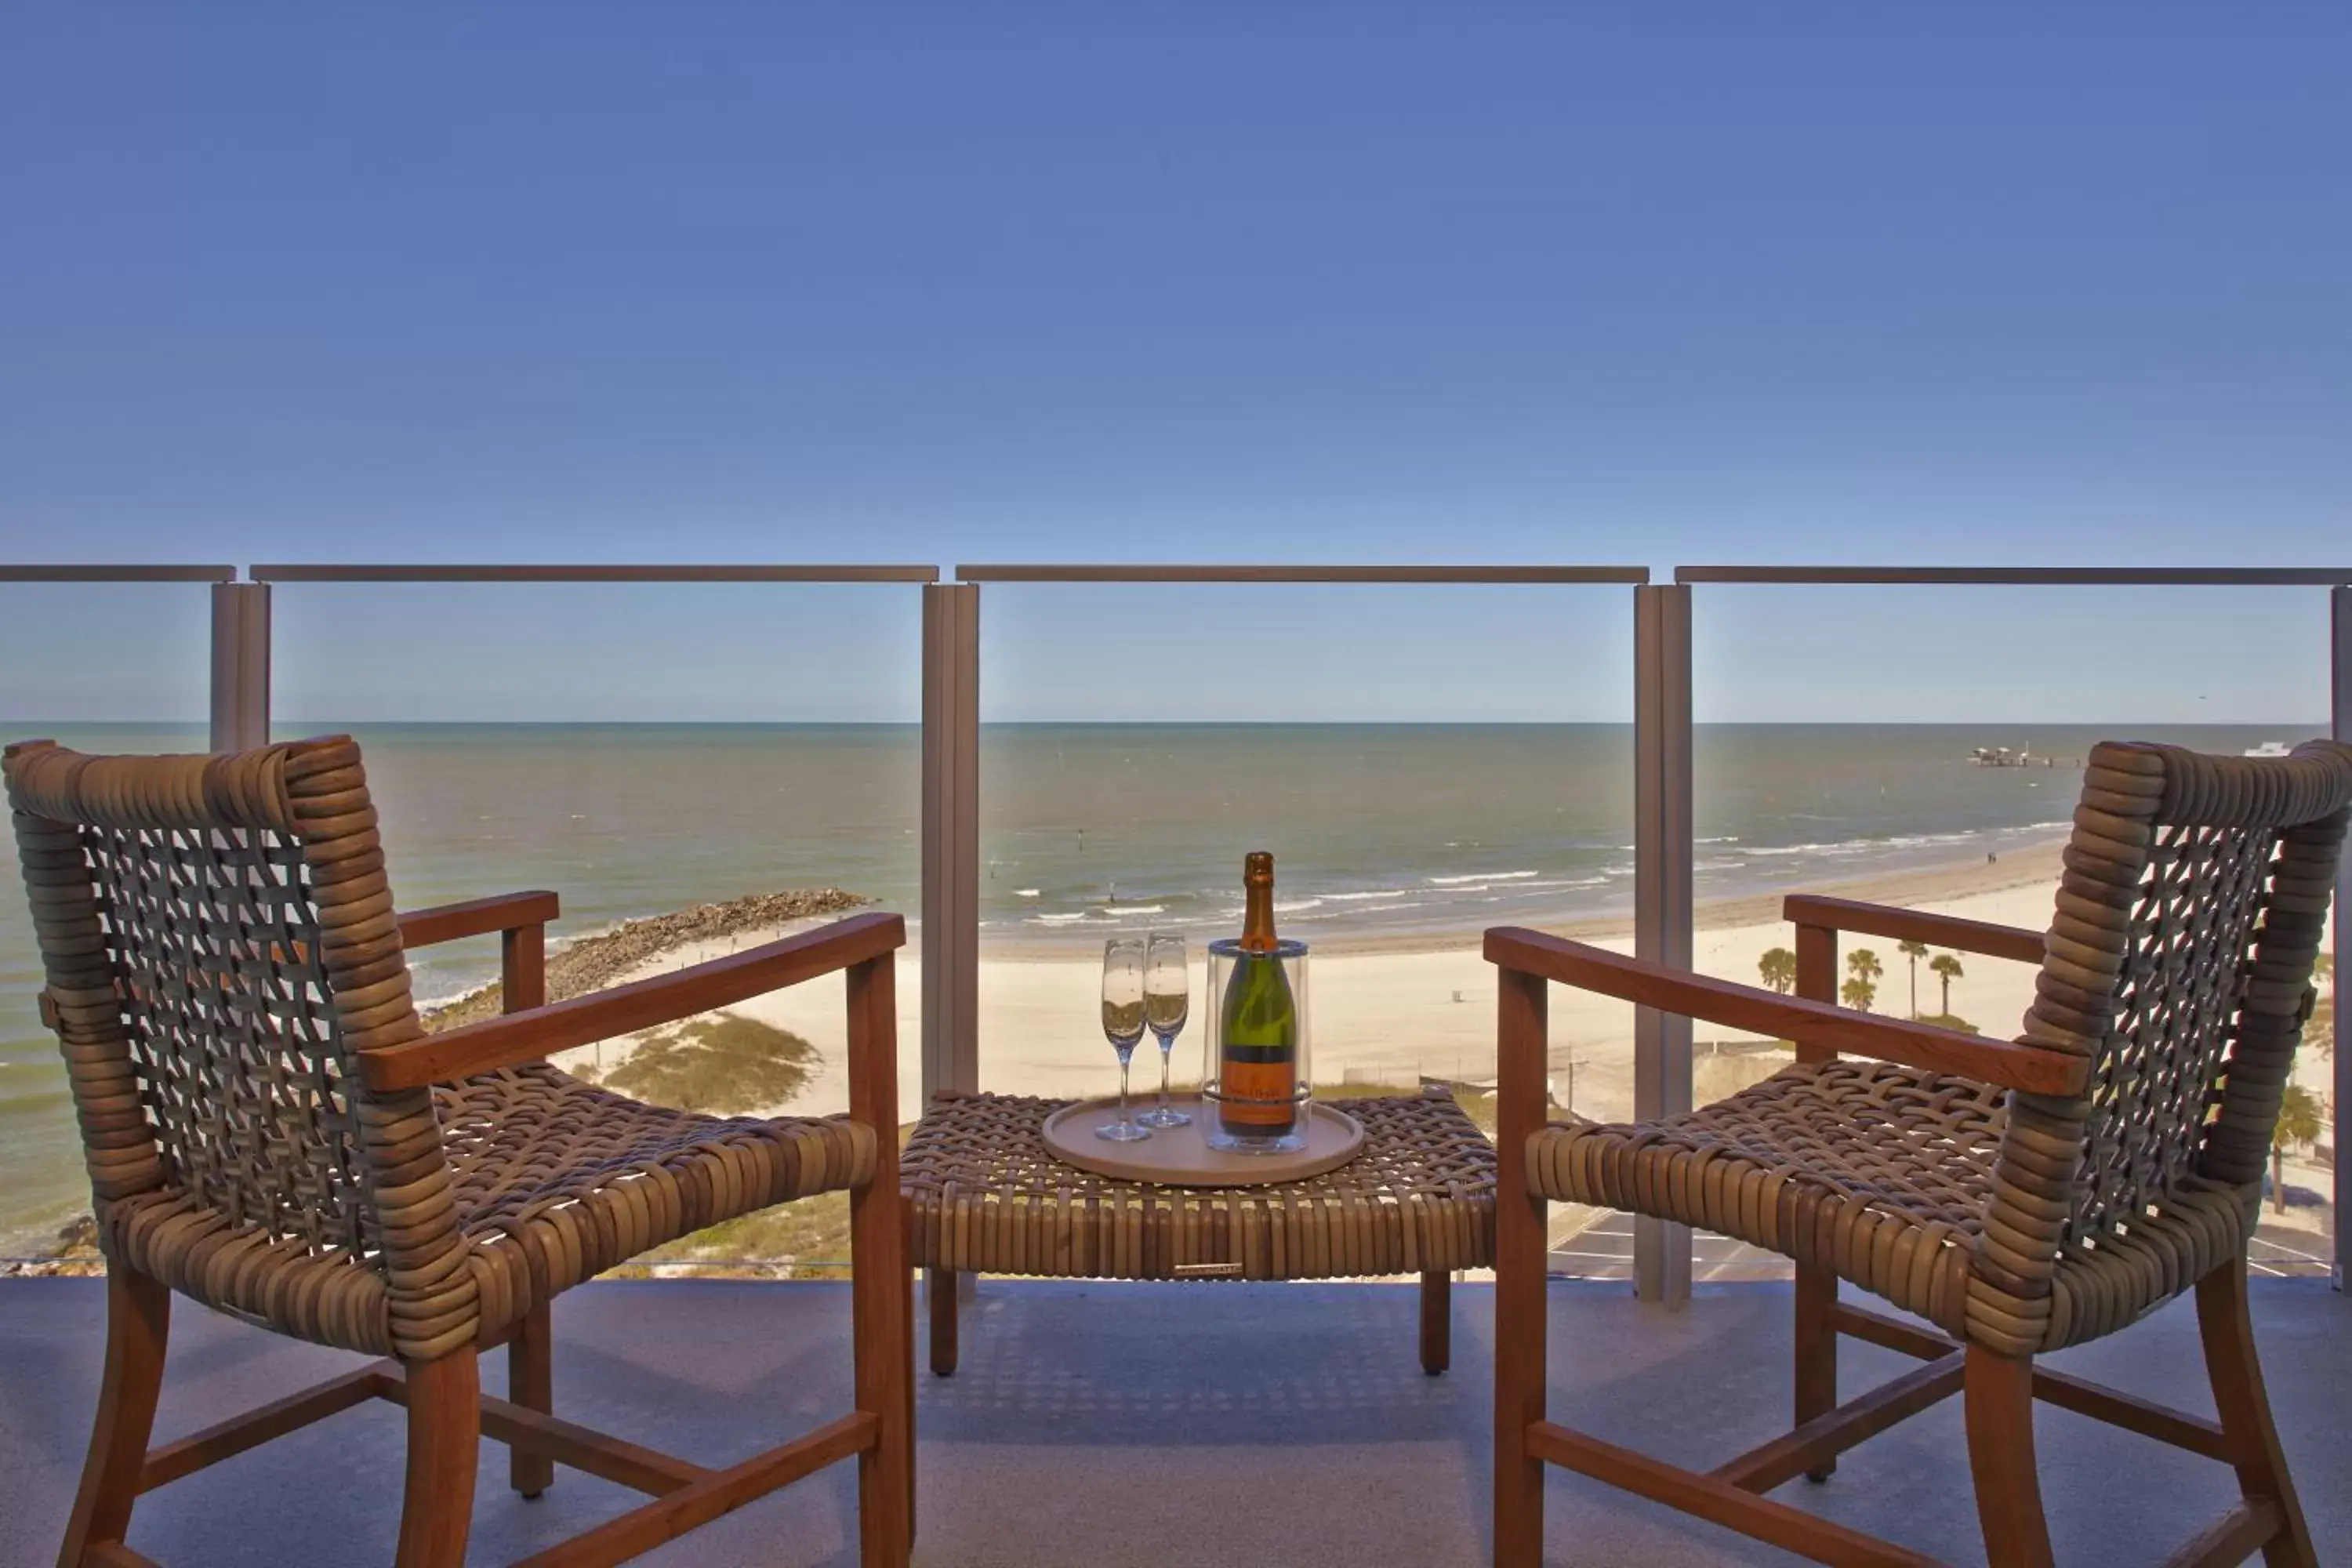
{"x":1122,"y":1017}
{"x":1166,"y":1003}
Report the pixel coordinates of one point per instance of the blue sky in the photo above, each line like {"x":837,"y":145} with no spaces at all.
{"x":1655,"y":284}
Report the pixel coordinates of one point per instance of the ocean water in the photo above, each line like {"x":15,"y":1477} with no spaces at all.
{"x":1086,"y":830}
{"x":1431,"y":829}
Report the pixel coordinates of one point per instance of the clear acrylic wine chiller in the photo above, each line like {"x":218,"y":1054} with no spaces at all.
{"x":1223,"y":958}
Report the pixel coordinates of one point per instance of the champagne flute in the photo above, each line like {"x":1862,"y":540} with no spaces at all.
{"x":1166,"y":1002}
{"x":1122,"y":1019}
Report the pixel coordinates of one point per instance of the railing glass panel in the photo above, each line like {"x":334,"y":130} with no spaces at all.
{"x":1922,"y":746}
{"x":111,"y":667}
{"x":1424,"y":761}
{"x":694,"y":768}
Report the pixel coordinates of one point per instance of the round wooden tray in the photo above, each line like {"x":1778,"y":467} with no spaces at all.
{"x":1181,"y":1156}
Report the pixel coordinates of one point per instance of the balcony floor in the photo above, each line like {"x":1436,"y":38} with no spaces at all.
{"x":1101,"y":1426}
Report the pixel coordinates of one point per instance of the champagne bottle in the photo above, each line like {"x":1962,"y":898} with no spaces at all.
{"x":1257,"y":1064}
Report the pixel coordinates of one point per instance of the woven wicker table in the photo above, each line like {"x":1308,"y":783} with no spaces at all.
{"x":983,"y":1197}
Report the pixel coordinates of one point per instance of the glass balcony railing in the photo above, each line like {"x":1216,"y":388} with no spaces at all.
{"x":1413,"y":754}
{"x":103,"y":665}
{"x":1962,"y":807}
{"x":693,"y":768}
{"x":695,"y":758}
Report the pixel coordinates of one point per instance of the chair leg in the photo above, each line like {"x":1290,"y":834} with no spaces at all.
{"x":1999,"y":1396}
{"x":1436,"y":1320}
{"x":880,"y":1354}
{"x":881,"y":1350}
{"x":2227,"y":1329}
{"x":907,"y":1387}
{"x":1520,"y":1376}
{"x":138,"y":1323}
{"x":445,"y":1430}
{"x":941,"y":1287}
{"x":1817,"y":1351}
{"x":1520,"y":1265}
{"x":531,"y":1383}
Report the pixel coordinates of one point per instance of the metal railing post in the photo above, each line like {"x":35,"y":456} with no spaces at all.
{"x":951,"y":934}
{"x":2340,"y":604}
{"x":1661,"y":898}
{"x":240,"y":715}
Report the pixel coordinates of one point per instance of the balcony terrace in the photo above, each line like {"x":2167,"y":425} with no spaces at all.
{"x":1104,"y":1426}
{"x":1105,"y":1423}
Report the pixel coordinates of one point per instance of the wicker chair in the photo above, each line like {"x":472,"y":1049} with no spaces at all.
{"x":2020,"y":1197}
{"x":269,"y":1131}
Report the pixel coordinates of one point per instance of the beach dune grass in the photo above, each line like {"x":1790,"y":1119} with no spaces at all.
{"x":605,"y":958}
{"x":720,"y":1063}
{"x":803,"y":1240}
{"x":724,"y":1065}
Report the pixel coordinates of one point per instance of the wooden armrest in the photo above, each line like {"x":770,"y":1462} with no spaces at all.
{"x":476,"y":917}
{"x":2013,"y":1066}
{"x":536,"y":1032}
{"x":1913,"y":925}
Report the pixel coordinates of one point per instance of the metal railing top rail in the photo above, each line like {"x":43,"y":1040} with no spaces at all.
{"x":24,"y":573}
{"x":1270,"y":574}
{"x":2092,"y":576}
{"x":748,"y":573}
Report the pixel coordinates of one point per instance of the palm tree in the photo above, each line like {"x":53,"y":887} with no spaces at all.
{"x":1948,"y":969}
{"x":1915,"y":951}
{"x":2299,"y":1123}
{"x":1779,"y":968}
{"x":1863,"y":970}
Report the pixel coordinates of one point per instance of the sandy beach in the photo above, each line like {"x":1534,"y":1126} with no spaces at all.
{"x":1386,"y":1011}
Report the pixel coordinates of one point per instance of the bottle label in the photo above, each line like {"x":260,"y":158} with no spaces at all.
{"x":1257,"y":1094}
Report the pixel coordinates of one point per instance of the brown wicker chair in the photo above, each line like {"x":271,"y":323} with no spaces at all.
{"x":2020,"y":1197}
{"x":269,"y":1131}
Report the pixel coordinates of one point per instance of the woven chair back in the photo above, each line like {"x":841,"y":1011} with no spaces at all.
{"x":220,"y":942}
{"x":2179,"y":961}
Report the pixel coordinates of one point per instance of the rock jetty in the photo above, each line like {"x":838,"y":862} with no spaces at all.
{"x":592,"y":963}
